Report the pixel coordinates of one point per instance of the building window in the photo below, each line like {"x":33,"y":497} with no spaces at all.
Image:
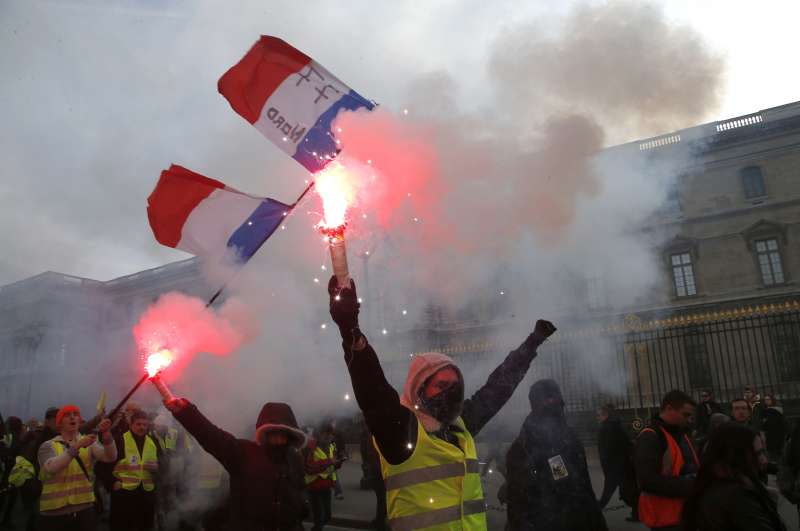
{"x":683,"y":275}
{"x":753,"y":182}
{"x":769,"y":261}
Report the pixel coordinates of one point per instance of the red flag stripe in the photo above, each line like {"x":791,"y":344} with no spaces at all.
{"x":177,"y":193}
{"x":248,"y":83}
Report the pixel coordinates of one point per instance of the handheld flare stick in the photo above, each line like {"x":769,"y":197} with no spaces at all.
{"x":162,"y":387}
{"x":338,"y":250}
{"x":156,"y":362}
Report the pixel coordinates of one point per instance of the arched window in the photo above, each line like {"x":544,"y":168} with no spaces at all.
{"x":753,"y":182}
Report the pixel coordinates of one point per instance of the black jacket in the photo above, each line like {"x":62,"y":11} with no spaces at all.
{"x":773,"y":424}
{"x":541,"y":494}
{"x":732,"y":506}
{"x":393,"y":425}
{"x":704,"y":412}
{"x":614,"y":447}
{"x":648,"y":457}
{"x":266,"y":482}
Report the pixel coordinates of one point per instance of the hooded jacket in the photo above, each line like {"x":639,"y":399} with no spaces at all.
{"x":548,"y":483}
{"x":614,"y":447}
{"x":266,"y":481}
{"x":392,"y":419}
{"x":729,"y":505}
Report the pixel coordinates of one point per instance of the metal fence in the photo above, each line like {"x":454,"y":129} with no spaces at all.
{"x":635,"y":364}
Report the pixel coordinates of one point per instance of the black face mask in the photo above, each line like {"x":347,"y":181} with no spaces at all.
{"x":445,"y":406}
{"x":549,"y":408}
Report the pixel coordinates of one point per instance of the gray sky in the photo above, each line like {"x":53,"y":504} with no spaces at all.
{"x":98,"y":96}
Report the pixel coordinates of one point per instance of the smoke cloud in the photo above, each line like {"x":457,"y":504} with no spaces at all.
{"x":186,"y":327}
{"x":512,"y":214}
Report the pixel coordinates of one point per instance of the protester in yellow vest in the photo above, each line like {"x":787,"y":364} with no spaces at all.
{"x":321,"y":463}
{"x":135,"y":474}
{"x":424,"y":438}
{"x":66,"y":469}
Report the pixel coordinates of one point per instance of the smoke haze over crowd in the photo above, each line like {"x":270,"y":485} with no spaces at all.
{"x":489,"y":184}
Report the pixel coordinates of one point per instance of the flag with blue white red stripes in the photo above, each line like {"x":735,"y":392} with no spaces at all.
{"x":291,"y":99}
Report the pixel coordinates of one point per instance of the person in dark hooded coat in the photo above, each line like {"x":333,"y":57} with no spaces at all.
{"x":266,"y":475}
{"x":548,"y":484}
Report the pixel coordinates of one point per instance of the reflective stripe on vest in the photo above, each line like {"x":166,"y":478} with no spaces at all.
{"x":659,"y":511}
{"x":69,"y":486}
{"x":438,"y":487}
{"x":130,"y":470}
{"x":320,"y":455}
{"x":23,"y":471}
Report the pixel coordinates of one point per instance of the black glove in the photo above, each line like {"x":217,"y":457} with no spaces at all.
{"x":541,"y":332}
{"x":344,"y":307}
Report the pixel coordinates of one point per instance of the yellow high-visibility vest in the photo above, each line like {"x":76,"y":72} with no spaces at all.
{"x":320,"y":455}
{"x":438,"y":487}
{"x":23,"y":471}
{"x":130,"y":470}
{"x":211,"y":473}
{"x":68,"y":486}
{"x":169,"y":442}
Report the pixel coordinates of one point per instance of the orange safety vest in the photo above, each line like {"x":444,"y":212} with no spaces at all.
{"x":659,"y":511}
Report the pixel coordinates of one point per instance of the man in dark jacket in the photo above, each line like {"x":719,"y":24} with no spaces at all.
{"x":266,"y":475}
{"x":614,"y":448}
{"x":31,"y":487}
{"x":548,"y":479}
{"x":431,"y":419}
{"x":705,"y":409}
{"x":659,"y":449}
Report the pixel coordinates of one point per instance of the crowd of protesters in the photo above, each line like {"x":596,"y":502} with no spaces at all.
{"x":695,"y":466}
{"x":141,"y":471}
{"x":701,"y":466}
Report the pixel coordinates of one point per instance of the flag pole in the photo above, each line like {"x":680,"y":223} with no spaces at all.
{"x":291,"y":208}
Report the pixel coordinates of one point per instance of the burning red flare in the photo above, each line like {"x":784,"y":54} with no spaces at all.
{"x":158,"y":361}
{"x":337,"y":189}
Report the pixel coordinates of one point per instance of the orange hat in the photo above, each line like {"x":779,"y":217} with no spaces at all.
{"x":64,"y":410}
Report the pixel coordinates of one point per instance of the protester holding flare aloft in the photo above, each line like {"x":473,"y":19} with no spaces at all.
{"x":266,"y":475}
{"x":424,"y":438}
{"x":66,"y":462}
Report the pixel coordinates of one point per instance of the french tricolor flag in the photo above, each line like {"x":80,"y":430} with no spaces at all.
{"x":204,"y":217}
{"x":291,"y":99}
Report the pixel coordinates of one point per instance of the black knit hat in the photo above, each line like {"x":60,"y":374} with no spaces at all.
{"x":544,"y":391}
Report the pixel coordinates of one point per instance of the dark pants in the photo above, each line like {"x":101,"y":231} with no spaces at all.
{"x":380,"y":505}
{"x":132,"y":510}
{"x":612,"y":482}
{"x":85,"y":520}
{"x":320,"y":507}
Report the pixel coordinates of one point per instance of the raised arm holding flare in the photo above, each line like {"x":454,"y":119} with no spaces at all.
{"x":425,"y":437}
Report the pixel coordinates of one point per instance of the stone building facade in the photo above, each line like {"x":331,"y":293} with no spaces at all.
{"x":726,"y":314}
{"x":47,"y":318}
